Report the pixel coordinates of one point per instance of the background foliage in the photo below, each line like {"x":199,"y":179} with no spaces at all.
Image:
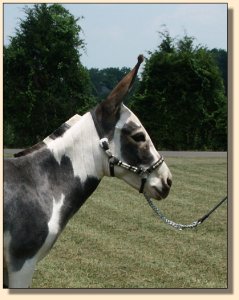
{"x":180,"y":99}
{"x":44,"y":80}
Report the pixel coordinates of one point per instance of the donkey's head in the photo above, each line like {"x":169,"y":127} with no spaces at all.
{"x":131,"y":153}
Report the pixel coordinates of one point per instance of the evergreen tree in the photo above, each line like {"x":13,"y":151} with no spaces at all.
{"x":181,"y":97}
{"x":220,"y":57}
{"x":44,"y":80}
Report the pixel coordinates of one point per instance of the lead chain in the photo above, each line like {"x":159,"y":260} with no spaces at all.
{"x":167,"y":221}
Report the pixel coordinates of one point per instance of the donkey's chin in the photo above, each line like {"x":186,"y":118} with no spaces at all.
{"x":158,"y":194}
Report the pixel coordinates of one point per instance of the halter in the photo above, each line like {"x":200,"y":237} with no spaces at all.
{"x":114,"y":161}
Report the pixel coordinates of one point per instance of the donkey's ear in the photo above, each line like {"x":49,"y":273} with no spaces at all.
{"x":116,"y":97}
{"x":107,"y":113}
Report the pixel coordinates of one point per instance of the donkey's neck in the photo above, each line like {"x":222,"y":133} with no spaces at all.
{"x":81,"y":145}
{"x":75,"y":166}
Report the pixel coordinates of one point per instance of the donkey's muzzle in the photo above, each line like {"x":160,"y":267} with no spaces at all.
{"x":166,"y":185}
{"x":163,"y":191}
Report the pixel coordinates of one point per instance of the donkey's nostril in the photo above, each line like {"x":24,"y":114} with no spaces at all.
{"x":169,"y":182}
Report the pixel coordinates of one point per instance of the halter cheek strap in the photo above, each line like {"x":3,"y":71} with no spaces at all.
{"x":114,"y":161}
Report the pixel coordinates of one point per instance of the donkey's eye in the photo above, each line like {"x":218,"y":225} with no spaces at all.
{"x":139,"y":137}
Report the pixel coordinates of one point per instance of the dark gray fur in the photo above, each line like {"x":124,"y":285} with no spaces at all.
{"x":105,"y":120}
{"x":30,"y":183}
{"x":59,"y":131}
{"x":134,"y":153}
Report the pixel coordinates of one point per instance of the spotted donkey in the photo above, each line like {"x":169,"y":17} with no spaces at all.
{"x":44,"y":186}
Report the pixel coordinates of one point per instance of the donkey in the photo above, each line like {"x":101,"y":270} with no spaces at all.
{"x":44,"y":186}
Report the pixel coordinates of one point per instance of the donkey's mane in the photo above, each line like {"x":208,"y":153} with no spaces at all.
{"x":54,"y":135}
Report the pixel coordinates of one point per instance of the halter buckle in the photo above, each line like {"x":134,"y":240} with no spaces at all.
{"x":104,"y":144}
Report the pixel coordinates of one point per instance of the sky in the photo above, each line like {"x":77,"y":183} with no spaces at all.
{"x":116,"y":33}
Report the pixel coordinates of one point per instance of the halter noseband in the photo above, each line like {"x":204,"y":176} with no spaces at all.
{"x":114,"y":161}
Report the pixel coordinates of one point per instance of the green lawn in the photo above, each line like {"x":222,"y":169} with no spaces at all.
{"x":116,"y":240}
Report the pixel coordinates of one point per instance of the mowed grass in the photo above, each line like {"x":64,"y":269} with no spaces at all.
{"x":116,"y":240}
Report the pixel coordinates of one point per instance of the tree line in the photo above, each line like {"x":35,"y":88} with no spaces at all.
{"x":181,"y":96}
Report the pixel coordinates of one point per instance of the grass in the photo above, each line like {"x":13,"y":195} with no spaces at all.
{"x":116,"y":241}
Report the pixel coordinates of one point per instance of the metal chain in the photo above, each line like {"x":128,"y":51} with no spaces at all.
{"x":177,"y":225}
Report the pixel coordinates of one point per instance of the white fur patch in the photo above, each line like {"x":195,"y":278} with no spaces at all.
{"x":81,"y":144}
{"x":127,"y":116}
{"x":73,"y":120}
{"x":22,"y":278}
{"x":53,"y":227}
{"x":53,"y":224}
